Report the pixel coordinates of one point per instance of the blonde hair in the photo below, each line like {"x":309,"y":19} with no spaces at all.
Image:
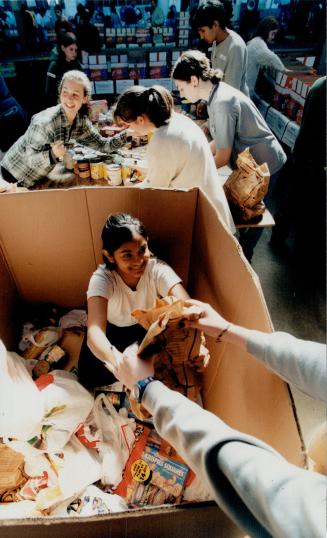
{"x":80,"y":78}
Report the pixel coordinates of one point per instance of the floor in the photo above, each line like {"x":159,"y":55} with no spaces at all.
{"x":299,"y":311}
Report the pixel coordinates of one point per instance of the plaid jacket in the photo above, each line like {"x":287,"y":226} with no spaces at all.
{"x":28,"y":160}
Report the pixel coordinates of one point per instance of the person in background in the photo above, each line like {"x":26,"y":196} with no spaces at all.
{"x":37,"y":152}
{"x":259,"y":55}
{"x":252,"y":483}
{"x":157,"y":16}
{"x":115,"y":21}
{"x":234,"y":124}
{"x":172,"y":17}
{"x":65,"y":59}
{"x":178,"y":154}
{"x":130,"y":278}
{"x":13,"y":118}
{"x":87,"y":34}
{"x":62,"y":25}
{"x":229,"y":53}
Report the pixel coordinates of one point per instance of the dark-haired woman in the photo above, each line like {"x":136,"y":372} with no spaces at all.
{"x":234,"y":122}
{"x":259,"y":55}
{"x":178,"y":154}
{"x":130,"y":278}
{"x":37,"y":152}
{"x":64,"y":60}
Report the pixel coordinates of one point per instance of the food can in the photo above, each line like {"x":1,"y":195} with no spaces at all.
{"x":96,"y":168}
{"x":112,"y":173}
{"x":84,"y":169}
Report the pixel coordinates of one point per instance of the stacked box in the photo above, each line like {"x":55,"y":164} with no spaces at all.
{"x":295,"y":107}
{"x":280,"y":98}
{"x":130,"y":35}
{"x":110,"y":37}
{"x":101,"y":29}
{"x":119,"y":66}
{"x":137,"y":70}
{"x":183,"y":29}
{"x":98,"y":67}
{"x":307,"y":60}
{"x":168,"y":35}
{"x":157,"y":35}
{"x":142,"y":36}
{"x":303,"y":84}
{"x":158,"y":64}
{"x":121,"y":34}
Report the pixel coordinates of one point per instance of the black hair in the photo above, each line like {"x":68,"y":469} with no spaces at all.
{"x":195,"y":63}
{"x":265,"y":26}
{"x":207,"y":13}
{"x":65,"y":40}
{"x":119,"y":229}
{"x":155,"y":102}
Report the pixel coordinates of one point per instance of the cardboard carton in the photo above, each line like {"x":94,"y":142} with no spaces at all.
{"x":50,"y":245}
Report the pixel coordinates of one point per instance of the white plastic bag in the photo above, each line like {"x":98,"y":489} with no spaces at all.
{"x":117,"y":435}
{"x":93,"y":501}
{"x":67,"y":404}
{"x":21,"y":403}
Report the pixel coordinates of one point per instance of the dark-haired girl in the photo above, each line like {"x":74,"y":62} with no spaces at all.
{"x":259,"y":55}
{"x":234,"y":123}
{"x":66,"y":59}
{"x":130,"y":278}
{"x":178,"y":154}
{"x":36,"y":153}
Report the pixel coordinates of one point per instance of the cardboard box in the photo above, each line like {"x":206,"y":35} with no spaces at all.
{"x":51,"y":260}
{"x":290,"y":134}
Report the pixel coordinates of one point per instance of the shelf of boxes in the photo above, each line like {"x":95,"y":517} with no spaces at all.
{"x":112,"y":73}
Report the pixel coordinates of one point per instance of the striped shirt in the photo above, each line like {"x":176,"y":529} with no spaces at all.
{"x":28,"y":160}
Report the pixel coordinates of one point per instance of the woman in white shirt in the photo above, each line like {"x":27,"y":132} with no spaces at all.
{"x":130,"y":278}
{"x":178,"y":154}
{"x":259,"y":55}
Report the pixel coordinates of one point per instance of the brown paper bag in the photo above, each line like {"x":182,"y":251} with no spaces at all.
{"x":246,"y":188}
{"x":180,"y":353}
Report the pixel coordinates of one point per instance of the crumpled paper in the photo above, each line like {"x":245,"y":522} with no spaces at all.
{"x":180,"y":354}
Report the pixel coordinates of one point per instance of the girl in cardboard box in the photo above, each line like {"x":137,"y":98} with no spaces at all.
{"x":234,"y":124}
{"x":42,"y":146}
{"x":178,"y":154}
{"x":130,"y":278}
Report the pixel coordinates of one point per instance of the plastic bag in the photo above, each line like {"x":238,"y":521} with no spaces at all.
{"x":21,"y":403}
{"x":117,"y":439}
{"x":93,"y":501}
{"x":67,"y":404}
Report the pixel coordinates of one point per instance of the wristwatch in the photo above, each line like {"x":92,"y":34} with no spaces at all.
{"x":138,"y":389}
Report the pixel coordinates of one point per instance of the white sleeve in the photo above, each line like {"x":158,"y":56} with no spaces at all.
{"x":100,"y":284}
{"x":300,"y":362}
{"x":255,"y":486}
{"x":234,"y":71}
{"x":165,"y":277}
{"x":267,"y":58}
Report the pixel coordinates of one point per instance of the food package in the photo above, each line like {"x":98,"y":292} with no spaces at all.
{"x":41,"y":341}
{"x":11,"y":469}
{"x":246,"y":188}
{"x":180,"y":352}
{"x":154,"y":474}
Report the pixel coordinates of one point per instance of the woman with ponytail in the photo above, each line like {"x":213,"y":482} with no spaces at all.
{"x":234,"y":123}
{"x":178,"y":154}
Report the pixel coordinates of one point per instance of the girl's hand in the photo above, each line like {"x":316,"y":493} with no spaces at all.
{"x":58,"y":149}
{"x":210,"y":322}
{"x":131,"y":368}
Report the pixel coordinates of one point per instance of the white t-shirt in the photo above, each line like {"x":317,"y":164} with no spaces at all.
{"x":259,"y":55}
{"x":230,"y":56}
{"x":156,"y":281}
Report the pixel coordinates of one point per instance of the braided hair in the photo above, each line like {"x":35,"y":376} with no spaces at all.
{"x":195,"y":63}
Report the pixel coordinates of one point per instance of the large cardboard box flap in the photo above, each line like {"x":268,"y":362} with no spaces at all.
{"x":50,"y":245}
